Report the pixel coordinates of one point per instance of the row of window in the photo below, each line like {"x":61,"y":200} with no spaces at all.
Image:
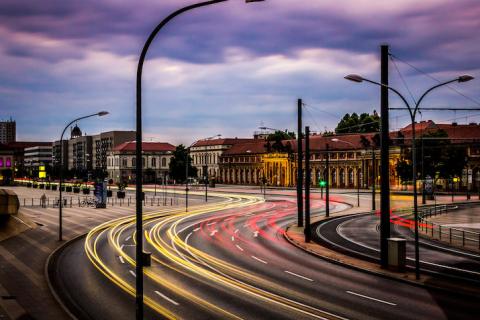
{"x":5,"y":162}
{"x":125,"y":163}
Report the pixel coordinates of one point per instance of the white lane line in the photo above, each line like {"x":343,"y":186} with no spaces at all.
{"x":233,"y":238}
{"x":209,"y":224}
{"x":300,"y":276}
{"x":255,"y":234}
{"x":196,"y":229}
{"x":189,"y":235}
{"x":128,"y":238}
{"x":238,"y":247}
{"x":132,"y":273}
{"x":166,"y":298}
{"x":374,"y":299}
{"x":121,"y":247}
{"x":228,"y":219}
{"x":213,"y":232}
{"x":236,"y":231}
{"x":260,"y":260}
{"x":121,"y":259}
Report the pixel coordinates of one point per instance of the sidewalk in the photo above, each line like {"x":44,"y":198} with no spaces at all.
{"x":296,"y":237}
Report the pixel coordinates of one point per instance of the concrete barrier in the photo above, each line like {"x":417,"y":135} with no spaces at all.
{"x":9,"y":203}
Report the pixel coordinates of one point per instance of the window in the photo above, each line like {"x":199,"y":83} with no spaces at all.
{"x":154,"y":162}
{"x":124,"y":162}
{"x":1,"y":162}
{"x":164,"y":162}
{"x":8,"y":163}
{"x":134,"y":161}
{"x":143,"y":162}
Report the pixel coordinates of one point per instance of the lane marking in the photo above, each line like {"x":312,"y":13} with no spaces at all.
{"x":300,"y":276}
{"x":260,"y":260}
{"x":121,"y":247}
{"x":132,"y":273}
{"x":128,"y":238}
{"x":167,"y":298}
{"x":233,"y":238}
{"x":238,"y":247}
{"x":213,"y":232}
{"x":228,"y":219}
{"x":255,"y":234}
{"x":121,"y":259}
{"x":374,"y":299}
{"x":196,"y":229}
{"x":236,"y":231}
{"x":209,"y":224}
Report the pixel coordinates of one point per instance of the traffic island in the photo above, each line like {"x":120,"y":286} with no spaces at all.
{"x":12,"y":220}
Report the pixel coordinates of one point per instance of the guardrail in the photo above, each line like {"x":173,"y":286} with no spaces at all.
{"x":86,"y":201}
{"x":454,"y":236}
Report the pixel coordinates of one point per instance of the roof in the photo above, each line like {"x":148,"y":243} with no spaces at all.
{"x":146,"y":146}
{"x":252,"y":147}
{"x":457,"y":132}
{"x":27,"y":144}
{"x":225,"y":141}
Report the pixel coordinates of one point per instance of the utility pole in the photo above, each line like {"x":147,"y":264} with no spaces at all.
{"x":374,"y":175}
{"x":308,"y":231}
{"x":384,"y":160}
{"x":299,"y":165}
{"x":186,"y":180}
{"x":327,"y":186}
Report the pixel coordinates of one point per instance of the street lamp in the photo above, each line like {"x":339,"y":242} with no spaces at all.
{"x":60,"y":206}
{"x":138,"y":150}
{"x":358,"y":176}
{"x":412,"y":112}
{"x":186,"y":169}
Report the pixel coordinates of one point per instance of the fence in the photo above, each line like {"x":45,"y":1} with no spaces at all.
{"x":85,"y":201}
{"x":453,"y":236}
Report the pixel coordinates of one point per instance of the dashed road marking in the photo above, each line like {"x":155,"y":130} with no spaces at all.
{"x":132,"y":273}
{"x":121,"y":259}
{"x":238,"y":247}
{"x":370,"y":298}
{"x":299,"y":276}
{"x":166,"y":298}
{"x":260,"y":260}
{"x":213,"y":232}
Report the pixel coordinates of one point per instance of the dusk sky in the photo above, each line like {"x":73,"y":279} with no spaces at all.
{"x":228,"y":68}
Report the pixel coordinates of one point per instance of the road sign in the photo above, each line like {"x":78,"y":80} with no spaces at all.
{"x":428,"y":185}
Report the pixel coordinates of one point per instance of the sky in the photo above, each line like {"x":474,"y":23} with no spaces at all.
{"x":230,"y":67}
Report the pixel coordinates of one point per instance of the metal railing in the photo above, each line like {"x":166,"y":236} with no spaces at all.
{"x":86,"y":201}
{"x":454,"y":236}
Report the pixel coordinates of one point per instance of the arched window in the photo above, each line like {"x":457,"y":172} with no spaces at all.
{"x":134,"y":161}
{"x":164,"y":162}
{"x":154,"y":162}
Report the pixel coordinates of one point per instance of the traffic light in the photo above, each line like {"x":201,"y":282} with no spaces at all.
{"x":322,"y":183}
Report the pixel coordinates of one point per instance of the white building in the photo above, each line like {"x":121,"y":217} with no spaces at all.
{"x":156,"y":160}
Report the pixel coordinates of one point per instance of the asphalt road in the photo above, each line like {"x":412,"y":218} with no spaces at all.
{"x":359,"y":235}
{"x":230,"y":260}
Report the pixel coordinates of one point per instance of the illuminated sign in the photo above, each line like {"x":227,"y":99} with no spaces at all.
{"x":41,"y":168}
{"x":42,"y":174}
{"x":8,"y":163}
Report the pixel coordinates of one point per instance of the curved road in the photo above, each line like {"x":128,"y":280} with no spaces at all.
{"x":229,"y":260}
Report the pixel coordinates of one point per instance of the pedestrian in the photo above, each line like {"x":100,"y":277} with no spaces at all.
{"x":43,"y":200}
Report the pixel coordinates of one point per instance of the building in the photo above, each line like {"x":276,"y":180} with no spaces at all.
{"x":7,"y":167}
{"x":103,"y":144}
{"x":121,"y":162}
{"x":18,"y":148}
{"x":37,"y":156}
{"x":8,"y":131}
{"x":206,"y":154}
{"x":87,"y":153}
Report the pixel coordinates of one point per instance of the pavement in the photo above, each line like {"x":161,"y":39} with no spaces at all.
{"x":295,"y":235}
{"x":24,"y":292}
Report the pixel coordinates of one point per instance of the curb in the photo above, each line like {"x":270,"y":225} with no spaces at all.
{"x":373,"y":272}
{"x":48,"y":263}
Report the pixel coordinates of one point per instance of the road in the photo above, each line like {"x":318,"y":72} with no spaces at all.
{"x":359,"y":235}
{"x":229,"y":260}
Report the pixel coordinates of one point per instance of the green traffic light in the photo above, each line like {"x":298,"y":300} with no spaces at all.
{"x":322,"y":183}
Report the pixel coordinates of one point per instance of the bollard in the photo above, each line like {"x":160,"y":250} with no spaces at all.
{"x":439,"y":232}
{"x":432,"y":229}
{"x":463,"y":238}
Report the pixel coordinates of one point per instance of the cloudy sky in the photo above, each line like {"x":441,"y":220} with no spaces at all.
{"x":231,"y":67}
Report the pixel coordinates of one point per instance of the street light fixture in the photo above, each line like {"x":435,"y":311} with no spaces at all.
{"x":412,"y":112}
{"x":60,"y":199}
{"x":138,"y":150}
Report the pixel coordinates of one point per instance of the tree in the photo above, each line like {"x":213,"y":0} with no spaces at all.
{"x":359,"y":124}
{"x":275,"y":141}
{"x":279,"y":135}
{"x":177,"y":164}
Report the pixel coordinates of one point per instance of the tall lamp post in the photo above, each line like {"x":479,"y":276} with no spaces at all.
{"x":412,"y":111}
{"x":358,"y":176}
{"x":138,"y":149}
{"x":60,"y":206}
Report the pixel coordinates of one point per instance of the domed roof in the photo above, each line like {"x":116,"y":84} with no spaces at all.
{"x":76,"y":132}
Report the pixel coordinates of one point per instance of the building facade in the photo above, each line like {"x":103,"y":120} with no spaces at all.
{"x":103,"y":144}
{"x":37,"y":156}
{"x":8,"y":131}
{"x":121,"y":162}
{"x":206,"y":154}
{"x":7,"y":164}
